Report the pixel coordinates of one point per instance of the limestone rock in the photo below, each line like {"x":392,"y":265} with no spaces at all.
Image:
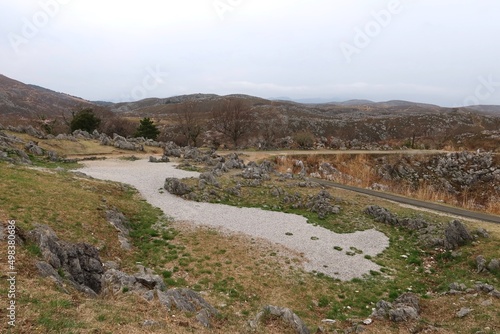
{"x":404,"y":308}
{"x":463,"y":312}
{"x":284,"y":314}
{"x":456,"y":235}
{"x":494,"y":265}
{"x":480,"y":263}
{"x":33,"y":148}
{"x":177,"y":187}
{"x":187,"y":300}
{"x":80,"y":262}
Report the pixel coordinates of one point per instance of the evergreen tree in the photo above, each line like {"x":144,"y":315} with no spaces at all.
{"x":147,"y":129}
{"x":85,"y":120}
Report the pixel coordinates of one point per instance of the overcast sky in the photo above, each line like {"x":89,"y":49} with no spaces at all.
{"x":444,"y":52}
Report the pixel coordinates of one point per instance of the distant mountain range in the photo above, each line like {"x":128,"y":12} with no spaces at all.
{"x":18,"y":99}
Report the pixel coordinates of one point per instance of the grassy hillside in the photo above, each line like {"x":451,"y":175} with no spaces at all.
{"x":236,"y":274}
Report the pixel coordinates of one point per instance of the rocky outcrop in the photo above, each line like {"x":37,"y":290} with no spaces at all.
{"x":321,"y":204}
{"x":258,"y":172}
{"x":176,"y":187}
{"x":483,"y":266}
{"x":405,"y":308}
{"x":9,"y":152}
{"x":34,"y":149}
{"x":121,"y":224}
{"x":456,"y":235}
{"x":284,"y":314}
{"x":209,"y":178}
{"x":172,"y":150}
{"x":451,"y":236}
{"x":78,"y":263}
{"x":30,"y":130}
{"x":186,"y":300}
{"x":142,"y":282}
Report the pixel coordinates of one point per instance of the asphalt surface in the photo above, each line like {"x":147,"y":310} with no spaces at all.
{"x":417,"y":203}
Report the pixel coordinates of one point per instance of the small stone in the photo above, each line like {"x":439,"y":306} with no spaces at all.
{"x":481,"y":263}
{"x":487,"y":302}
{"x":329,"y":321}
{"x":149,"y":323}
{"x":463,"y":312}
{"x":367,"y":321}
{"x":494,"y":265}
{"x":495,"y":293}
{"x":149,"y":295}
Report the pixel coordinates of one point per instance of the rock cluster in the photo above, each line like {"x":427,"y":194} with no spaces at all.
{"x":452,"y":172}
{"x":321,"y":204}
{"x":81,"y":265}
{"x":9,"y":152}
{"x":451,"y":236}
{"x":479,"y":287}
{"x":143,"y":282}
{"x":405,"y":308}
{"x":483,"y":265}
{"x":258,"y":172}
{"x":30,"y":130}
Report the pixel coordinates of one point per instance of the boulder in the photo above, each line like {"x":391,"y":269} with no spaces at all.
{"x":381,"y":215}
{"x":52,"y":155}
{"x":285,"y":314}
{"x":209,"y":178}
{"x":187,"y":300}
{"x":176,"y":187}
{"x":123,"y":144}
{"x":480,"y":263}
{"x":405,"y":308}
{"x":33,"y":148}
{"x":456,"y":235}
{"x":115,"y":281}
{"x":494,"y":265}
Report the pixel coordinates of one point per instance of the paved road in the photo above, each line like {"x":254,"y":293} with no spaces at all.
{"x":421,"y":204}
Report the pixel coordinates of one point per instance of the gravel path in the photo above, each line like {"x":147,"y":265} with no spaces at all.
{"x":314,"y":242}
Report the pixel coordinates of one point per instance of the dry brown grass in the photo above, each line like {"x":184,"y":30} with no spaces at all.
{"x":82,"y":147}
{"x":357,"y":170}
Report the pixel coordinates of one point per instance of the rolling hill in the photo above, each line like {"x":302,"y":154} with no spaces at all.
{"x":29,"y":101}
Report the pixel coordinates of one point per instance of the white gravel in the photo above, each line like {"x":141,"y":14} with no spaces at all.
{"x":319,"y":254}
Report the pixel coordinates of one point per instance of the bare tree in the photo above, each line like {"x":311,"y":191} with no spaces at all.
{"x":271,"y":126}
{"x":233,"y":119}
{"x":189,"y":124}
